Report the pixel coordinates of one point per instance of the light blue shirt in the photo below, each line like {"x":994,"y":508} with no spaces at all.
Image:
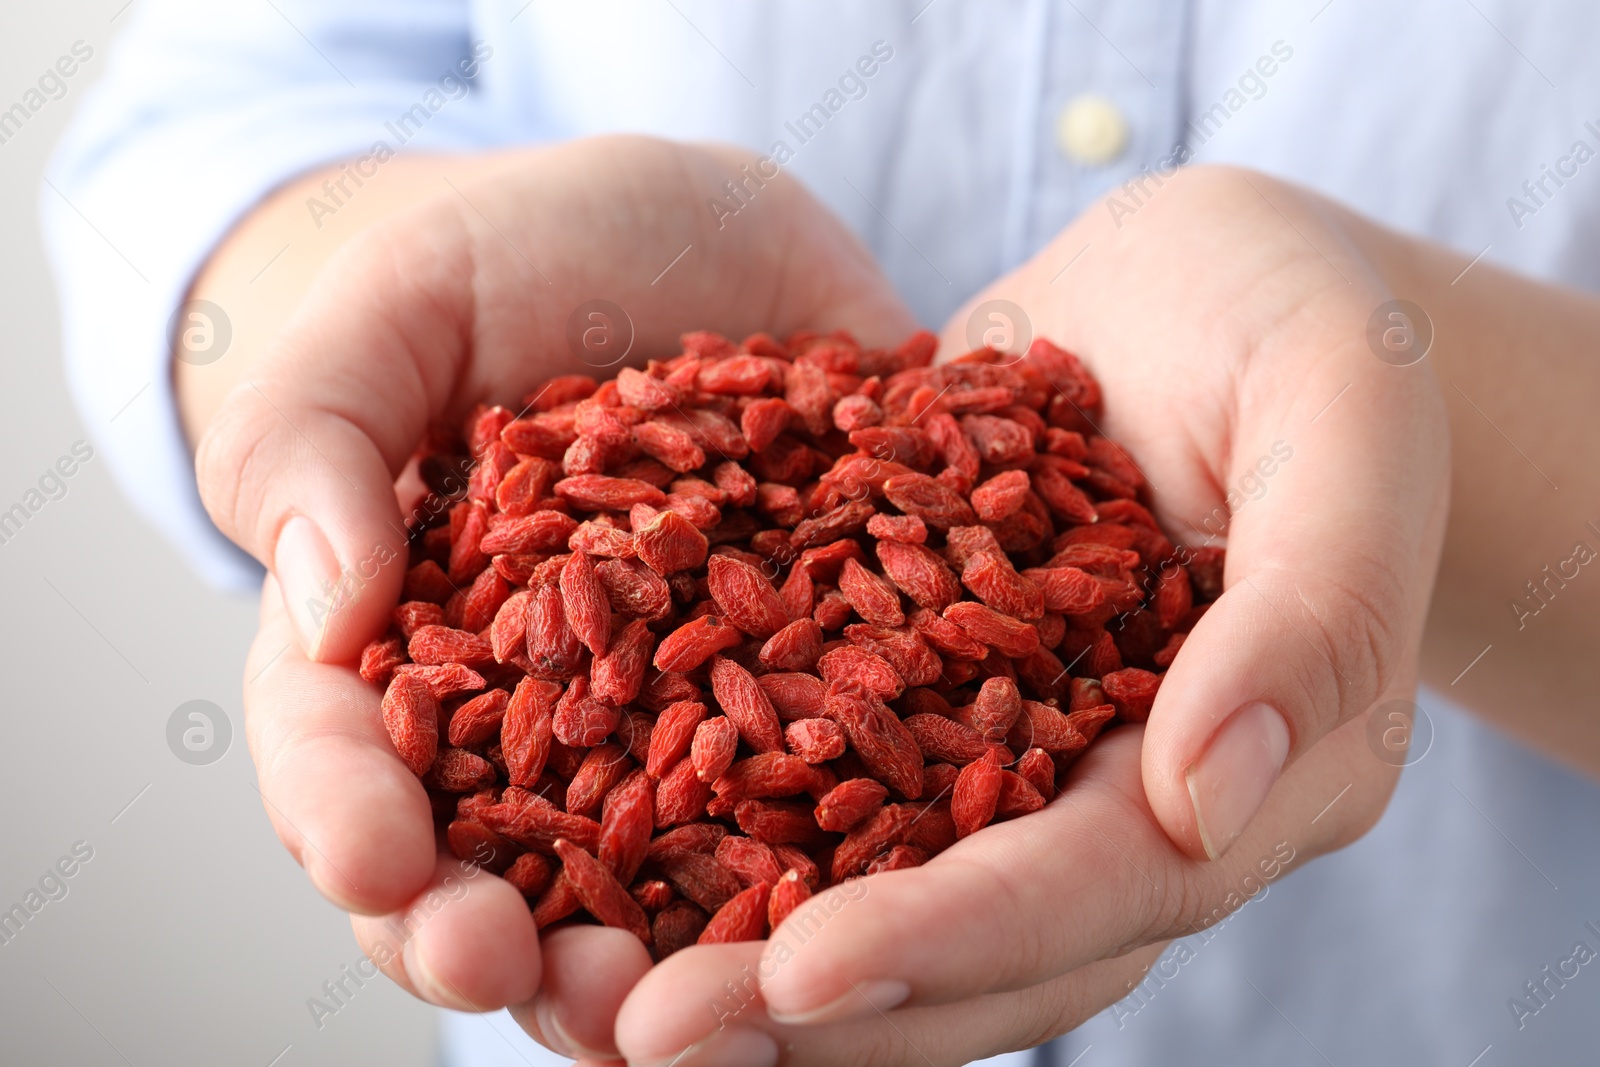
{"x":1474,"y":122}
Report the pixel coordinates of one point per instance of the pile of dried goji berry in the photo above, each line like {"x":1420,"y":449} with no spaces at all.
{"x":684,"y":646}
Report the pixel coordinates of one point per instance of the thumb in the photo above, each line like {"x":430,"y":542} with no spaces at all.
{"x":299,"y":463}
{"x":1328,"y":577}
{"x":298,"y":466}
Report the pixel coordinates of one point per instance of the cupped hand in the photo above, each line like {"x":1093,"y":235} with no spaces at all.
{"x":1227,"y":322}
{"x":461,"y":300}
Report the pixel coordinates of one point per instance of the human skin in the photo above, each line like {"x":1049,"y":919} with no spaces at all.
{"x":1225,"y":317}
{"x":1216,"y":330}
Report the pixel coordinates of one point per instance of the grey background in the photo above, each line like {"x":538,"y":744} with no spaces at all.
{"x":190,"y":937}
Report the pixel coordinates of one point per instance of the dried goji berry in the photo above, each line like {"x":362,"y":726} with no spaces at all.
{"x":1132,"y":692}
{"x":815,"y":740}
{"x":766,"y":542}
{"x":598,"y":890}
{"x":788,"y":894}
{"x":478,"y":719}
{"x":746,"y":705}
{"x":694,"y":642}
{"x":627,"y":818}
{"x":411,"y":715}
{"x":850,"y":803}
{"x":749,"y":859}
{"x":745,"y":596}
{"x":678,"y":926}
{"x":743,"y":918}
{"x":972,"y":804}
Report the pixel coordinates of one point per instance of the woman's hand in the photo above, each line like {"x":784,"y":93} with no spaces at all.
{"x":1227,"y":322}
{"x":465,"y":298}
{"x":468,"y":297}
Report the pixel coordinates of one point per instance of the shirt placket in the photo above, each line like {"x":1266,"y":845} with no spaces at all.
{"x":1110,"y":92}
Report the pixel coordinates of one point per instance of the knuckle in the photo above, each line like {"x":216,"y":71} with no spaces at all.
{"x":231,"y":461}
{"x":1044,"y":1015}
{"x":1027,"y":953}
{"x":1358,"y":622}
{"x":1354,"y":626}
{"x":1178,"y":904}
{"x":1060,"y":1006}
{"x":880,"y":1045}
{"x":1030,"y":955}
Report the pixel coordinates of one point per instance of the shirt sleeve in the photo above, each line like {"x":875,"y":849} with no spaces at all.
{"x":201,"y":111}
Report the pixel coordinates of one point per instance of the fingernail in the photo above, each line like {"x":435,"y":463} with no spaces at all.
{"x":329,"y":885}
{"x":864,"y":999}
{"x":429,"y":987}
{"x":1230,"y":780}
{"x":308,"y":573}
{"x":733,"y":1047}
{"x":557,"y":1038}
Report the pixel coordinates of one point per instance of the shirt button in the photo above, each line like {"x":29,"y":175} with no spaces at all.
{"x":1091,"y":130}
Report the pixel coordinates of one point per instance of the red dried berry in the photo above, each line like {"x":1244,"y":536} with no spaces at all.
{"x":866,"y":842}
{"x":682,"y":796}
{"x":700,"y":877}
{"x":435,"y":646}
{"x":617,"y":676}
{"x":745,"y":597}
{"x":673,"y":733}
{"x":850,"y":803}
{"x":749,"y":859}
{"x":874,"y":599}
{"x":530,"y":874}
{"x":744,"y":918}
{"x":992,"y":578}
{"x":977,"y":791}
{"x":598,"y":890}
{"x":669,"y":543}
{"x":553,"y":647}
{"x":796,"y":647}
{"x":588,"y":609}
{"x":678,"y":926}
{"x":1002,"y":632}
{"x":920,"y":574}
{"x":626,"y":822}
{"x":694,"y":642}
{"x":1132,"y":692}
{"x":790,"y":892}
{"x":379,"y":660}
{"x":879,"y":738}
{"x":741,"y":530}
{"x":478,"y":719}
{"x":815,"y":740}
{"x":456,"y":770}
{"x":945,"y":739}
{"x":715,"y":743}
{"x":746,"y":705}
{"x":411,"y":715}
{"x":602,"y":768}
{"x":580,"y":719}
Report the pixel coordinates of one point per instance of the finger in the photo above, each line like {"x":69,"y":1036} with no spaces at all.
{"x":467,"y":941}
{"x":703,"y":1007}
{"x":588,"y":971}
{"x":1088,"y":877}
{"x":988,"y":913}
{"x":1329,"y":573}
{"x":342,"y":802}
{"x":298,"y":465}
